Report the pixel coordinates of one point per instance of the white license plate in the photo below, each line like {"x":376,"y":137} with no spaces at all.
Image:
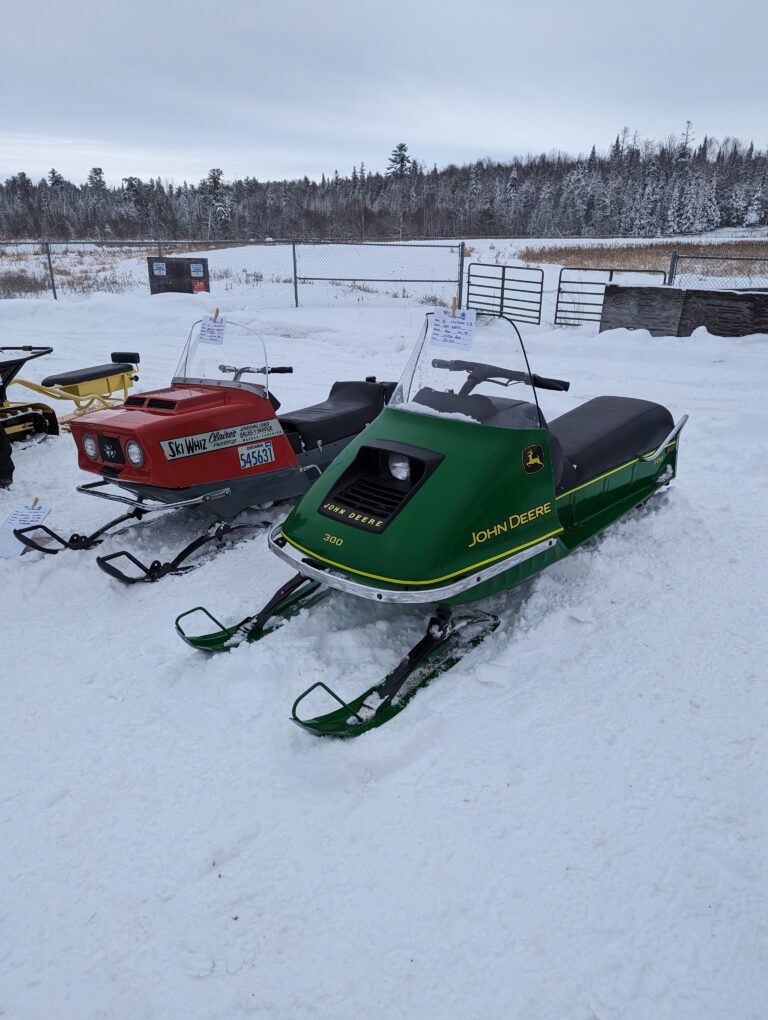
{"x":255,"y":454}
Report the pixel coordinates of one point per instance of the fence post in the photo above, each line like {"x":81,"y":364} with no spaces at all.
{"x":460,"y":294}
{"x":295,"y":277}
{"x":672,"y":268}
{"x":50,"y":269}
{"x":159,"y":250}
{"x":501,"y":292}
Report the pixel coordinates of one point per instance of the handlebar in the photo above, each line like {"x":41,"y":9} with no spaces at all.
{"x":479,"y":372}
{"x":264,"y":370}
{"x":462,"y":366}
{"x":542,"y":383}
{"x":36,"y":352}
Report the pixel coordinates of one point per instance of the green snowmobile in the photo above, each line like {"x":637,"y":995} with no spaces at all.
{"x":451,"y":495}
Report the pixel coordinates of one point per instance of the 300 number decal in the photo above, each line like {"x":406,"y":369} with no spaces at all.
{"x":327,"y":537}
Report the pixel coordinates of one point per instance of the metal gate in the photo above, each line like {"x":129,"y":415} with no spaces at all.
{"x":580,"y":292}
{"x":514,"y":291}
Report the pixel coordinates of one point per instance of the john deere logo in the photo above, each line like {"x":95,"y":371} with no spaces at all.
{"x":533,"y":459}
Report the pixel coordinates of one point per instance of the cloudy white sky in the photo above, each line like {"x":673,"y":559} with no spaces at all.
{"x":278,"y":90}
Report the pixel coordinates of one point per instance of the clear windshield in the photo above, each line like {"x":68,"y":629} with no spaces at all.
{"x":474,"y":370}
{"x":222,"y":349}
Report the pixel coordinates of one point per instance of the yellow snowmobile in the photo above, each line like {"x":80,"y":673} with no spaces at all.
{"x":88,"y":388}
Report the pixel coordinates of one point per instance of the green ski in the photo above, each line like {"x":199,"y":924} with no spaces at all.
{"x":297,"y":594}
{"x":447,"y":639}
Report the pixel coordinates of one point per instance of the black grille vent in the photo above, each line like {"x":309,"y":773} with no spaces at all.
{"x":367,"y":495}
{"x":161,"y":405}
{"x":134,"y":402}
{"x":372,"y":496}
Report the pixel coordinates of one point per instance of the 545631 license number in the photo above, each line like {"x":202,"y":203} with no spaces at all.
{"x":255,"y":454}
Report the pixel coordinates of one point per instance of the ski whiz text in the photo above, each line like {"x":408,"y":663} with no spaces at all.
{"x":219,"y":439}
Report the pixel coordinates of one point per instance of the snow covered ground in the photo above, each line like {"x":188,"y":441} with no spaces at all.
{"x":571,"y":825}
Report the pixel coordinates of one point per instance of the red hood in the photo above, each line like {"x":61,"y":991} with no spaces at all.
{"x":176,"y":413}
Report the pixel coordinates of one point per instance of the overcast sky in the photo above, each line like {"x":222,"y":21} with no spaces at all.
{"x":278,"y":90}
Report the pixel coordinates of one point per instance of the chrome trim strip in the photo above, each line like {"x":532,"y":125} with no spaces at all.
{"x":675,"y":432}
{"x":89,"y":489}
{"x":299,"y":562}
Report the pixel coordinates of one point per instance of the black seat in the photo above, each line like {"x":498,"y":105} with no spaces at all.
{"x":80,"y":375}
{"x":472,"y":405}
{"x":498,"y":411}
{"x":349,"y":408}
{"x":605,"y":433}
{"x":514,"y":414}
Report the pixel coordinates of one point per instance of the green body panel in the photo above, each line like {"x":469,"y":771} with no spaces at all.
{"x":474,"y":509}
{"x":586,"y":511}
{"x":487,"y":462}
{"x":471,"y":511}
{"x":466,"y":513}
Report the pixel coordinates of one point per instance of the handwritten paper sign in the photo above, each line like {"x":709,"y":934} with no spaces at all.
{"x":449,"y":330}
{"x":20,"y":517}
{"x":212,"y":331}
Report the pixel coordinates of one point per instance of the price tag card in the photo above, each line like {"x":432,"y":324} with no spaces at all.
{"x":20,"y":517}
{"x":212,"y":331}
{"x":455,"y":331}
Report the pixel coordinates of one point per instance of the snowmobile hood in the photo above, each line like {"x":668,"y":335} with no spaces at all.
{"x":148,"y":406}
{"x":475,"y":494}
{"x":187,"y":435}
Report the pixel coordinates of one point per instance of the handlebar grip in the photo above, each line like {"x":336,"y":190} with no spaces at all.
{"x":543,"y":383}
{"x":284,"y":369}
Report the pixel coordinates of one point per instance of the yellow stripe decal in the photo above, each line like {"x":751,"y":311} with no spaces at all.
{"x":445,"y":577}
{"x":599,"y":478}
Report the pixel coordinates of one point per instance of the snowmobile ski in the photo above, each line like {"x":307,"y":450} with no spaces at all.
{"x":139,"y":508}
{"x":157,"y":569}
{"x":298,"y":593}
{"x":447,"y":639}
{"x":30,"y":537}
{"x":75,"y":541}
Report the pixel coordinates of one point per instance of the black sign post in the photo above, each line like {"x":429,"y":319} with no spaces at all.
{"x":178,"y":275}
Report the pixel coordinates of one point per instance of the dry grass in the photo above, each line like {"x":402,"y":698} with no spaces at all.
{"x":644,"y":256}
{"x":20,"y":283}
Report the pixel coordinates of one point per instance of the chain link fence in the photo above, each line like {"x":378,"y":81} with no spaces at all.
{"x":718,"y":272}
{"x":274,"y":275}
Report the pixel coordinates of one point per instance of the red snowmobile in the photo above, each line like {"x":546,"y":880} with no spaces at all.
{"x":212,"y":441}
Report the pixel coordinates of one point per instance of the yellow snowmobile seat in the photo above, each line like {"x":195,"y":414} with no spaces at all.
{"x":96,"y":380}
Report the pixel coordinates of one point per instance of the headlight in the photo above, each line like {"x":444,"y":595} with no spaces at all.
{"x":134,"y":453}
{"x":399,"y":467}
{"x":90,"y":446}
